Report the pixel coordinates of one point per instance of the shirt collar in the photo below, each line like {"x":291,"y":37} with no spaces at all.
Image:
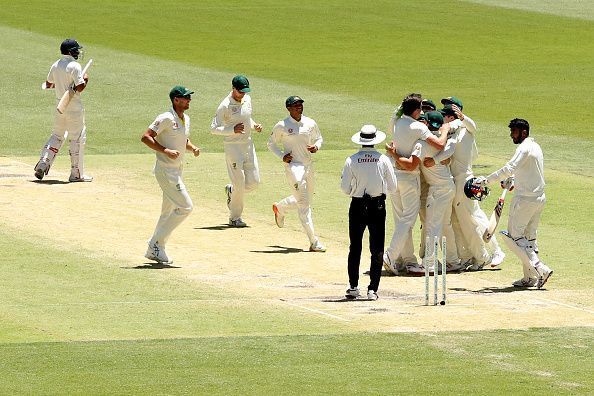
{"x":367,"y":149}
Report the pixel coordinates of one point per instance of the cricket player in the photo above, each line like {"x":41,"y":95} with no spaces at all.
{"x":169,"y":135}
{"x":367,"y":177}
{"x":469,"y":219}
{"x":300,"y":137}
{"x":440,"y":194}
{"x":233,"y":120}
{"x":406,"y":131}
{"x":66,"y":74}
{"x":526,"y":166}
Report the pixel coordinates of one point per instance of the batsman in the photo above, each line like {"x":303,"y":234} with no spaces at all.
{"x":529,"y":199}
{"x":68,"y":79}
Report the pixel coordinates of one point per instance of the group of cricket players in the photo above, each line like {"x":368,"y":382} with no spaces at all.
{"x":431,"y":152}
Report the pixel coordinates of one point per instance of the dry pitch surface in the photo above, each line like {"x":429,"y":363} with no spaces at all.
{"x":266,"y":264}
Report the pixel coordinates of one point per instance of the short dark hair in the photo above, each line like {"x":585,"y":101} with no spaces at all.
{"x":519,"y":123}
{"x":411,"y":103}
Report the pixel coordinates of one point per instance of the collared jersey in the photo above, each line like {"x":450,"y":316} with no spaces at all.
{"x":405,"y":134}
{"x":173,"y":134}
{"x":527,"y":167}
{"x":466,"y":151}
{"x":438,"y":174}
{"x":65,"y":73}
{"x":368,"y":172}
{"x":295,"y":136}
{"x":230,"y":113}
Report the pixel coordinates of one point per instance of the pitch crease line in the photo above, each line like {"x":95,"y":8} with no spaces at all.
{"x":316,"y":311}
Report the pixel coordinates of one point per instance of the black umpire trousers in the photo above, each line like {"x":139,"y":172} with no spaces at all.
{"x":367,"y":212}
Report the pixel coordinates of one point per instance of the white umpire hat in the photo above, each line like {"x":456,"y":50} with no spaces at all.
{"x":368,"y":136}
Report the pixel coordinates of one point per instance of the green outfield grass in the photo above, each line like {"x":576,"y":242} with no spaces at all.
{"x":71,"y":324}
{"x":63,"y":332}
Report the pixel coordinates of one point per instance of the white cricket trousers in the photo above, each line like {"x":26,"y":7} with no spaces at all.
{"x":301,"y":181}
{"x":438,"y":219}
{"x":177,"y":204}
{"x":524,"y":216}
{"x":405,"y":208}
{"x":244,"y":173}
{"x":470,"y":225}
{"x":69,"y":125}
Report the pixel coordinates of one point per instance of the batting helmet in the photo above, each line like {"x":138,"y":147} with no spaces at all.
{"x":474,"y":190}
{"x":70,"y":47}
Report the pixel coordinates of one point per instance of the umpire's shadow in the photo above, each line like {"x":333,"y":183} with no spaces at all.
{"x":279,"y":250}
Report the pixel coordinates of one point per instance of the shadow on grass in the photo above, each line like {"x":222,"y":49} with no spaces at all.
{"x":279,"y":250}
{"x":220,"y":227}
{"x":50,"y":181}
{"x":152,"y":266}
{"x":494,"y":289}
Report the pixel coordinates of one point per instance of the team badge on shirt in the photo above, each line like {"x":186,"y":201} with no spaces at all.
{"x":290,"y":130}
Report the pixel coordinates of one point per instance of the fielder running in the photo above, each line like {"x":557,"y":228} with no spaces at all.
{"x":66,"y":74}
{"x":169,"y":135}
{"x":233,"y":120}
{"x":299,"y":137}
{"x":526,"y":166}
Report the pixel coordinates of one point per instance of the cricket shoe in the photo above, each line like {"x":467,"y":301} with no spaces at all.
{"x":352,"y":293}
{"x":279,"y":218}
{"x":41,"y":169}
{"x":228,"y":192}
{"x":317,"y":247}
{"x":157,"y":253}
{"x":454,"y":267}
{"x":544,"y":273}
{"x":415,"y":269}
{"x":497,"y":258}
{"x":372,"y":295}
{"x":531,"y":282}
{"x":237,"y":223}
{"x":83,"y":178}
{"x":389,"y":265}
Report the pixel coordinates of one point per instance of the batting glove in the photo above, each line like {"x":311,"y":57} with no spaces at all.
{"x":508,"y":183}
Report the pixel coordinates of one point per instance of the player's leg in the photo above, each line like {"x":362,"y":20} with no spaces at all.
{"x":77,"y":135}
{"x":304,"y":196}
{"x":377,"y":238}
{"x":405,"y":205}
{"x":235,"y":191}
{"x":357,"y":225}
{"x":251,"y":170}
{"x":52,"y":147}
{"x":422,"y":213}
{"x":520,"y":214}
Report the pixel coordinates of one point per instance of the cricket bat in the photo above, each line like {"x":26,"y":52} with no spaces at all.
{"x":65,"y":99}
{"x":495,"y":216}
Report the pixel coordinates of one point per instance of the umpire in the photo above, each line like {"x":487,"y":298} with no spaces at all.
{"x":367,"y":177}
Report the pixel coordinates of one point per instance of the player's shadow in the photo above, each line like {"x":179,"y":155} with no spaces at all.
{"x":50,"y":181}
{"x":347,"y":300}
{"x":279,"y":250}
{"x":152,"y":266}
{"x":488,"y":290}
{"x":220,"y":227}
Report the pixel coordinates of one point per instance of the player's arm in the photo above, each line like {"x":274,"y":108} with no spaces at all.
{"x":469,"y":124}
{"x":443,"y":155}
{"x":347,"y":182}
{"x":148,"y":138}
{"x":411,"y":163}
{"x":191,"y":147}
{"x":217,"y":126}
{"x":316,"y":137}
{"x":438,"y":142}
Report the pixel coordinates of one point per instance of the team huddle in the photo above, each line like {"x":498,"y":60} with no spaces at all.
{"x":426,"y":173}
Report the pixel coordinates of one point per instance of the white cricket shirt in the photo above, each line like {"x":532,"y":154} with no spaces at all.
{"x":368,"y":172}
{"x":406,"y":132}
{"x":438,"y":174}
{"x":230,"y":113}
{"x":294,"y":137}
{"x":65,"y":73}
{"x":527,"y":167}
{"x":173,"y":134}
